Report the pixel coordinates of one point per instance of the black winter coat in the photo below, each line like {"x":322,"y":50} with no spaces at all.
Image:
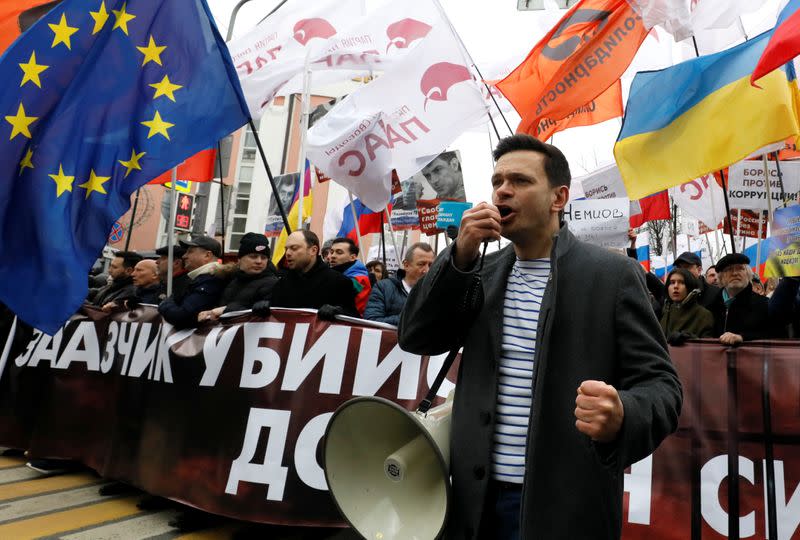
{"x":748,"y":316}
{"x":116,"y":290}
{"x":244,"y":290}
{"x":386,"y":301}
{"x":708,"y":293}
{"x":319,"y":286}
{"x":149,"y":295}
{"x":202,"y":293}
{"x":572,"y":488}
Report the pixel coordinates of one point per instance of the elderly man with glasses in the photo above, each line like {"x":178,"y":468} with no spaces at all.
{"x":739,"y":313}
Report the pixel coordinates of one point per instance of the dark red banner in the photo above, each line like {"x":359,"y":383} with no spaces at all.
{"x":229,"y":417}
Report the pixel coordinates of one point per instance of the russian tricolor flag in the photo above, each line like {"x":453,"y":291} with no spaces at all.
{"x":369,"y":221}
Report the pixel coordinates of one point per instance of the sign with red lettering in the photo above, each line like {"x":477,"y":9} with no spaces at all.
{"x":428,"y":211}
{"x":749,"y":226}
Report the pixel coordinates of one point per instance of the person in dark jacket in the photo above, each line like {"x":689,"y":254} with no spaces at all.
{"x":531,"y":455}
{"x":389,"y":295}
{"x":180,"y":276}
{"x":204,"y":289}
{"x":148,"y":287}
{"x":784,"y":304}
{"x":252,"y":279}
{"x":344,"y":258}
{"x":310,"y":283}
{"x":684,"y":318}
{"x":121,"y":286}
{"x":739,"y":313}
{"x":691,"y":262}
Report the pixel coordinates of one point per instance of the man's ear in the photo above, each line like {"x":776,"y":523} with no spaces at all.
{"x":560,"y":198}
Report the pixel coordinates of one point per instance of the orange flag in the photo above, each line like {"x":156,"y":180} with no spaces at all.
{"x":584,"y":54}
{"x":604,"y":107}
{"x":18,"y":15}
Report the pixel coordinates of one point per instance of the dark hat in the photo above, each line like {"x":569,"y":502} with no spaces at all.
{"x":253,"y":243}
{"x":205,"y":242}
{"x":177,"y":251}
{"x":687,"y":257}
{"x":732,"y":258}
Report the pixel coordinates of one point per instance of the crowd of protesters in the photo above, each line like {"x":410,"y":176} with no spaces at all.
{"x":726,"y":301}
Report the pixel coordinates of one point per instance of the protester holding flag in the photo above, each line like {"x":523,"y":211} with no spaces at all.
{"x":684,"y":318}
{"x":515,"y":420}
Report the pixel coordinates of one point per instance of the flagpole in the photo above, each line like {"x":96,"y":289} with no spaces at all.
{"x":780,"y":179}
{"x":391,"y":234}
{"x":383,"y":241}
{"x":133,"y":216}
{"x":471,"y":61}
{"x":358,"y":227}
{"x":739,"y":224}
{"x":221,"y":194}
{"x":173,"y":209}
{"x":400,"y":256}
{"x":728,"y":209}
{"x":769,"y":191}
{"x":303,"y":137}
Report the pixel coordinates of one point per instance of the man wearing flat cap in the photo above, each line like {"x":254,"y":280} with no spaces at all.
{"x":204,"y":288}
{"x":180,"y":276}
{"x":691,"y":262}
{"x":739,"y":313}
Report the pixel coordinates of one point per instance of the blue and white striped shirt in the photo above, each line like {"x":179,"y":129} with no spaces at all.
{"x":523,"y":299}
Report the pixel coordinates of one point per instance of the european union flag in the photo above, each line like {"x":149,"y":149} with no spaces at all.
{"x":98,"y":98}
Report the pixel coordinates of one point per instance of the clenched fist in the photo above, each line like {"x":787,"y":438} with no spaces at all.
{"x":599,"y":411}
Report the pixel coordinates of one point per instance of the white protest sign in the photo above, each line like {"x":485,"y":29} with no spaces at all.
{"x":603,"y":222}
{"x":376,"y":253}
{"x":747,"y":189}
{"x":606,"y":183}
{"x":702,"y":198}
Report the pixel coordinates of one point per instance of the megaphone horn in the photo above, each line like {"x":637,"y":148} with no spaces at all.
{"x":388,"y":468}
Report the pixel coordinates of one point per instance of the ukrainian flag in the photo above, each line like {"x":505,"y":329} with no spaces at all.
{"x":701,"y":116}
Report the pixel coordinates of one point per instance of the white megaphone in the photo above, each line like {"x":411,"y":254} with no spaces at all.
{"x":388,"y":468}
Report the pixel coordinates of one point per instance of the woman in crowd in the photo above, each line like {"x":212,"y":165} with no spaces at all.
{"x":683,"y":316}
{"x":249,"y":281}
{"x":376,"y":271}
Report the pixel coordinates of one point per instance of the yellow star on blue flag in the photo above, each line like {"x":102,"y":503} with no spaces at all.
{"x":66,"y":138}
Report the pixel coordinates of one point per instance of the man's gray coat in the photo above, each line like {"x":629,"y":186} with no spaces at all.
{"x":596,"y":323}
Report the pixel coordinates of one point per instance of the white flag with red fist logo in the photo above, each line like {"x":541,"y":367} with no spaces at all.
{"x":401,"y":120}
{"x":275,"y":51}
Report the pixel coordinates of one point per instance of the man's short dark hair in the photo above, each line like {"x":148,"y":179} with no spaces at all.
{"x":447,"y":157}
{"x":372,"y":264}
{"x":555,"y":164}
{"x":712,"y":267}
{"x":422,"y":246}
{"x":352,"y":246}
{"x":310,"y":238}
{"x":129,"y":258}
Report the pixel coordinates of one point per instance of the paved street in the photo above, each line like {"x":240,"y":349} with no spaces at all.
{"x":70,"y":507}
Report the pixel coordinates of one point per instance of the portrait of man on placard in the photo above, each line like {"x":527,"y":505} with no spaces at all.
{"x":444,"y":175}
{"x":286,"y":185}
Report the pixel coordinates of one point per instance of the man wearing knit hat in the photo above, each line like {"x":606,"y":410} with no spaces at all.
{"x":250,"y":281}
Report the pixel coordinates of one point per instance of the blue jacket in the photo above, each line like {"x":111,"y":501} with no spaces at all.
{"x":386,"y":301}
{"x":202,"y":293}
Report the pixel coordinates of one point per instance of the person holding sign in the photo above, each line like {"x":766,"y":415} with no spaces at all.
{"x":557,"y":392}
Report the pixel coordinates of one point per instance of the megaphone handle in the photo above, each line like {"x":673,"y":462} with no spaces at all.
{"x":426,"y":403}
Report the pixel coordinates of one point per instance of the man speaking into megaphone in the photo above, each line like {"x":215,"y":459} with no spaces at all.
{"x":565,"y":378}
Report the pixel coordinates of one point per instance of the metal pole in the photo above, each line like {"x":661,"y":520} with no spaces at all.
{"x":769,"y":190}
{"x":471,"y":61}
{"x":358,"y":227}
{"x":303,"y":137}
{"x":133,"y":217}
{"x":780,"y":179}
{"x":252,"y":124}
{"x":391,"y":234}
{"x":173,"y":209}
{"x":383,"y":241}
{"x":401,"y":255}
{"x":727,"y":209}
{"x":739,"y":223}
{"x":221,"y":194}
